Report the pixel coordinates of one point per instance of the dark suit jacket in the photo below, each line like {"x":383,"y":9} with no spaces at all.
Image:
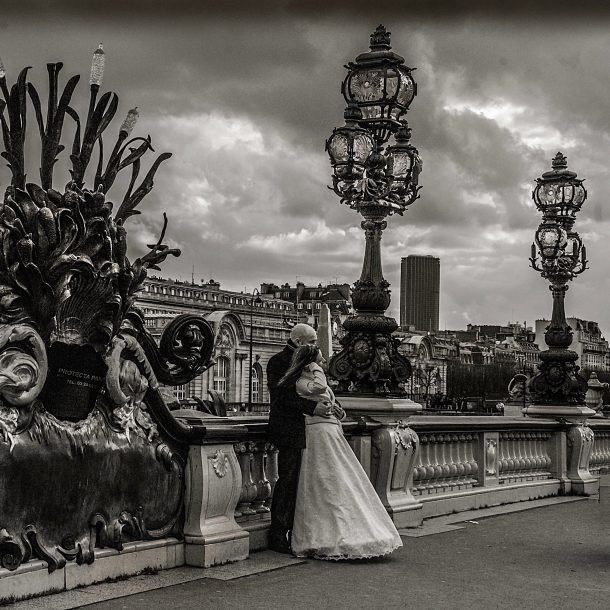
{"x":286,"y":417}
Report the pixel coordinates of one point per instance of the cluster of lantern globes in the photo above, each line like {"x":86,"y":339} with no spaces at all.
{"x":559,"y":195}
{"x":378,"y":90}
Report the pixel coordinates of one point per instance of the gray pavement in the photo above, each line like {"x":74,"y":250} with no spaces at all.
{"x":550,"y":556}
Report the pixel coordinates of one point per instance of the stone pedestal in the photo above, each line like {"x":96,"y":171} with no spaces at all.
{"x":393,"y":451}
{"x":513,"y":408}
{"x":579,"y":442}
{"x":385,"y":410}
{"x":213,"y":487}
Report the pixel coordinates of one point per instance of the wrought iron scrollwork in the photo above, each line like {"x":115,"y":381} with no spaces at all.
{"x":65,"y":279}
{"x":185,"y":349}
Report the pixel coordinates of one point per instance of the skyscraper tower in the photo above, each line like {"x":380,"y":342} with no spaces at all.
{"x":420,"y":281}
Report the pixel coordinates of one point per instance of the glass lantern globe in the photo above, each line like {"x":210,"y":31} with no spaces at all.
{"x":551,"y":239}
{"x":560,"y":190}
{"x":381,"y":85}
{"x":404,"y":164}
{"x":349,"y":147}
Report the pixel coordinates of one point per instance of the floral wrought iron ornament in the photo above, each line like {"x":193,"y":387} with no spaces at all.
{"x":70,"y":335}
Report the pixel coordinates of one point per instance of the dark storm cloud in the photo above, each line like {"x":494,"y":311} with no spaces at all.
{"x":437,"y":9}
{"x":245,"y":94}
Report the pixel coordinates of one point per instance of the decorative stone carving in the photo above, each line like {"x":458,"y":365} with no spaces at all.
{"x":594,"y":396}
{"x":220,"y":463}
{"x":211,"y":534}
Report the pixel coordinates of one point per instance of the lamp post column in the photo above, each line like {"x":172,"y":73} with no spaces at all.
{"x":377,"y":183}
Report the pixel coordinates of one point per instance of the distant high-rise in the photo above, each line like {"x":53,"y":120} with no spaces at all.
{"x":420,"y":282}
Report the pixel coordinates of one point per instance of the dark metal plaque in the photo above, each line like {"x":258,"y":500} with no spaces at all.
{"x":76,"y":376}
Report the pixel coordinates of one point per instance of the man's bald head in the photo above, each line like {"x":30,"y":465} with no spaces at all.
{"x":303,"y":334}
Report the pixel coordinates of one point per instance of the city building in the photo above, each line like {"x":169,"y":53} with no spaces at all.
{"x":230,"y":314}
{"x":587,"y":341}
{"x":513,"y":344}
{"x":308,"y":300}
{"x":419,"y":292}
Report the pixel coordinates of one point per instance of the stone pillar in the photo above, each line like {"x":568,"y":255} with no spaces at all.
{"x":391,"y":453}
{"x":213,"y":487}
{"x":394,"y":451}
{"x":579,"y":441}
{"x":580,"y":444}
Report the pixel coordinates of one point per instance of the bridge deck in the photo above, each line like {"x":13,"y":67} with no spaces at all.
{"x":554,"y":554}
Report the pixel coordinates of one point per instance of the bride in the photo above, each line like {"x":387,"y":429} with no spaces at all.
{"x":338,"y":513}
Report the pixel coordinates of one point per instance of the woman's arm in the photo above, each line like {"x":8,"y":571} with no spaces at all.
{"x":317,"y":385}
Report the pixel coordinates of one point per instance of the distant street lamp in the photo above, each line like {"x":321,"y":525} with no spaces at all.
{"x":256,"y":298}
{"x":559,"y":255}
{"x":378,"y":90}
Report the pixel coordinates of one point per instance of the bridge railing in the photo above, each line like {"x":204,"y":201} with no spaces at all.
{"x":421,"y":467}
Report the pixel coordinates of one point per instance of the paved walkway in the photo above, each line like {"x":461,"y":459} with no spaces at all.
{"x":550,"y":556}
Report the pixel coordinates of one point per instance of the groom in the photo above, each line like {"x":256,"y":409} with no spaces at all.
{"x":287,"y":432}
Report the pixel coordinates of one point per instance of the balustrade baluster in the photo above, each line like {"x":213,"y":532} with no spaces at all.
{"x":445,"y":469}
{"x":263,"y":487}
{"x":271,"y":469}
{"x":512,"y":453}
{"x":538,"y":453}
{"x":473,"y":462}
{"x":438,"y":468}
{"x":419,"y":472}
{"x":520,"y":459}
{"x":503,"y":456}
{"x":248,"y":488}
{"x":453,"y":459}
{"x":464,"y":469}
{"x":547,"y":454}
{"x":528,"y":456}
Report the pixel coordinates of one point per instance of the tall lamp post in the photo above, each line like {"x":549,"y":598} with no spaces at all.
{"x":376,"y":183}
{"x":559,"y":255}
{"x":256,"y":298}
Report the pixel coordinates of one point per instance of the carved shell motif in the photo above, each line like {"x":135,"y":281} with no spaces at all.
{"x":220,"y":463}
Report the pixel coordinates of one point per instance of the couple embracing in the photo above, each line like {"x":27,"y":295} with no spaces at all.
{"x":324,"y":505}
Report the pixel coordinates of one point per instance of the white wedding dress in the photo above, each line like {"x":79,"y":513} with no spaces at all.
{"x":338,"y":513}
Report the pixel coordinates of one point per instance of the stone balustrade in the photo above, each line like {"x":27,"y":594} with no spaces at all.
{"x":420,"y":467}
{"x":600,"y":454}
{"x":524,"y":456}
{"x":446,"y":462}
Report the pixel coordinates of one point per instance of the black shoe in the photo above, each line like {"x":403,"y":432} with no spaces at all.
{"x":280,"y":547}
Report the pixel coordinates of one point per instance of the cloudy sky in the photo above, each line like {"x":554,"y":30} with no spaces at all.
{"x":244,"y":95}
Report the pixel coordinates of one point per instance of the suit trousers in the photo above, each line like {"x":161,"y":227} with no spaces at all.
{"x":285,"y":492}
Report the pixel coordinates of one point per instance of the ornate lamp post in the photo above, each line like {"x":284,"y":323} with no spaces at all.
{"x":559,"y":255}
{"x":378,"y":90}
{"x":558,"y":390}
